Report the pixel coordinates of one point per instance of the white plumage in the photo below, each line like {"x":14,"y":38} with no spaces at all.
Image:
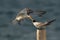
{"x":38,"y":24}
{"x":41,"y":24}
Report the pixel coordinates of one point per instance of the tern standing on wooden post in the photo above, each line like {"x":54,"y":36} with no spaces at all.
{"x":41,"y":29}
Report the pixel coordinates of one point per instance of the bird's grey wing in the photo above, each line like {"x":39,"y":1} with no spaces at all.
{"x":22,"y":12}
{"x":41,"y":13}
{"x":50,"y":21}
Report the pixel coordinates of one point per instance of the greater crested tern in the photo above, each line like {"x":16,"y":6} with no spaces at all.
{"x":41,"y":25}
{"x":22,"y":15}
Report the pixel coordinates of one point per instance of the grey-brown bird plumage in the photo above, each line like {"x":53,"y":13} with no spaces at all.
{"x":22,"y":15}
{"x":41,"y":24}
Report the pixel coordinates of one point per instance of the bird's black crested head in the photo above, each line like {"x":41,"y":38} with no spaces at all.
{"x":34,"y":20}
{"x":29,"y":11}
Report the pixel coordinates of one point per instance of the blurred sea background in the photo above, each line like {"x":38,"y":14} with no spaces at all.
{"x":26,"y":31}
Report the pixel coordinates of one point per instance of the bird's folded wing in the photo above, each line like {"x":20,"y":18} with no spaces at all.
{"x":40,"y":13}
{"x":50,"y":21}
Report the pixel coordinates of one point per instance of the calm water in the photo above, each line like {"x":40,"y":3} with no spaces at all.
{"x":26,"y":31}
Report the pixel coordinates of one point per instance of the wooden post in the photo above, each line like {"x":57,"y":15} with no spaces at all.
{"x":41,"y":34}
{"x":38,"y":34}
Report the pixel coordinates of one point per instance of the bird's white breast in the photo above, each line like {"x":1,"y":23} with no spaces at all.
{"x":19,"y":18}
{"x":37,"y":24}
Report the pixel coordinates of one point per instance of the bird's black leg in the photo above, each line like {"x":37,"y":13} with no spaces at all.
{"x":19,"y":23}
